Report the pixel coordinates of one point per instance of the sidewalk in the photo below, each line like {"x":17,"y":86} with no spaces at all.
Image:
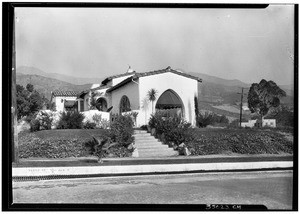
{"x":88,"y":167}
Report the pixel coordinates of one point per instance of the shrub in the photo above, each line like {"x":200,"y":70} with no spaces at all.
{"x":144,"y":127}
{"x":34,"y":125}
{"x":45,"y":120}
{"x":89,"y":125}
{"x":170,"y":129}
{"x":29,"y":118}
{"x":206,"y":119}
{"x":155,"y":119}
{"x":236,"y":123}
{"x":97,"y":118}
{"x":121,"y":130}
{"x":70,"y":120}
{"x":104,"y":124}
{"x":98,"y":146}
{"x":100,"y":123}
{"x":283,"y":115}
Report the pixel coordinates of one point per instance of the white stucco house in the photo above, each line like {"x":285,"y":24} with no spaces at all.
{"x":64,"y":100}
{"x":127,"y":92}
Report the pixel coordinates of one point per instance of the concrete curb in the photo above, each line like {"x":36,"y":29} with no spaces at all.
{"x":147,"y":169}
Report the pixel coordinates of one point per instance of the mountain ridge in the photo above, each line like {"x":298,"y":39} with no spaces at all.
{"x":62,"y":77}
{"x":45,"y":85}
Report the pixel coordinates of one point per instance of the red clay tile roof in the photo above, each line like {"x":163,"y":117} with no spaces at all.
{"x":137,"y":75}
{"x":168,"y":69}
{"x":64,"y":93}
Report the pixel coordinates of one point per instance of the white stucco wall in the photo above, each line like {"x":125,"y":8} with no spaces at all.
{"x":86,"y":101}
{"x":115,"y":81}
{"x":88,"y":115}
{"x":186,"y":89}
{"x":250,"y":123}
{"x":60,"y":105}
{"x":266,"y":122}
{"x":269,"y":122}
{"x":131,"y":90}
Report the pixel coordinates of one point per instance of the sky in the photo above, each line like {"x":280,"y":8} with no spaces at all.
{"x":244,"y":44}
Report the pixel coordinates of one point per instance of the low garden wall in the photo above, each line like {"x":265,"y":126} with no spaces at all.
{"x":88,"y":115}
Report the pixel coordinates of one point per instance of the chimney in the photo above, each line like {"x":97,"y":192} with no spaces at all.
{"x":129,"y":70}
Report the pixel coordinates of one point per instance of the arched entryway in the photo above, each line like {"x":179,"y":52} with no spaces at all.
{"x":124,"y":104}
{"x":170,"y":104}
{"x":101,"y":104}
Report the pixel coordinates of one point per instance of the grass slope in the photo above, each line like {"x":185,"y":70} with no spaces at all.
{"x":240,"y":141}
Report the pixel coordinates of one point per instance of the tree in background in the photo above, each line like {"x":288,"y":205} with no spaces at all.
{"x":29,"y":101}
{"x":263,"y":96}
{"x":152,"y":95}
{"x":283,"y":115}
{"x":29,"y":87}
{"x":50,"y":105}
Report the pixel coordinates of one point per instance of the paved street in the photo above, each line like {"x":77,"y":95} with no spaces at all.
{"x":273,"y":189}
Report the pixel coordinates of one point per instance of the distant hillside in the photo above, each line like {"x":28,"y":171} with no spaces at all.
{"x":219,"y":81}
{"x":45,"y":85}
{"x":61,"y":77}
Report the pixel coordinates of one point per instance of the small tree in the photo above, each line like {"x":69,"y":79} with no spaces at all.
{"x":152,"y":95}
{"x":263,"y":96}
{"x":29,"y":100}
{"x":196,"y":108}
{"x":94,"y":96}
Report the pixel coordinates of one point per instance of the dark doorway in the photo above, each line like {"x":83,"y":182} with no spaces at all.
{"x":170,"y":104}
{"x":101,"y":104}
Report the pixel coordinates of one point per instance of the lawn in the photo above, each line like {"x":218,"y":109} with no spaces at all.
{"x":240,"y":141}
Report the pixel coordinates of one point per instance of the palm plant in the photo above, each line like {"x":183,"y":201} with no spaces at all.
{"x":152,"y":95}
{"x":98,"y":146}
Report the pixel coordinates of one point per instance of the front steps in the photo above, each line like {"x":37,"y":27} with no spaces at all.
{"x":147,"y":146}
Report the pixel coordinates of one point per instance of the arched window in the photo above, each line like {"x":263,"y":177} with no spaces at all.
{"x":101,"y":104}
{"x":124,"y":104}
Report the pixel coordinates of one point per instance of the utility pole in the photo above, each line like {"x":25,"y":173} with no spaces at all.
{"x":15,"y":147}
{"x":241,"y":105}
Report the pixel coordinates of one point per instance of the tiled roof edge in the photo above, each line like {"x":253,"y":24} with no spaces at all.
{"x":59,"y":93}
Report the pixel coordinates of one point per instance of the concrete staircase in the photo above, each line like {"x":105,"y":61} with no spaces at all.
{"x":147,"y":146}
